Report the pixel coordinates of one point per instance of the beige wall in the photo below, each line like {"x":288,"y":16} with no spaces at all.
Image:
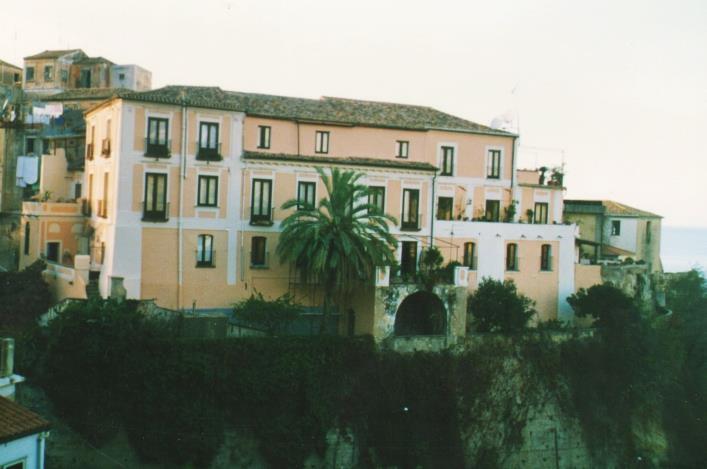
{"x":50,"y":222}
{"x":39,"y":83}
{"x":541,"y":286}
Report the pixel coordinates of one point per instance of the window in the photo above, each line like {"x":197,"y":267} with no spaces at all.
{"x":15,"y":464}
{"x":493,"y":165}
{"x":321,"y":143}
{"x":121,"y":76}
{"x":512,"y":256}
{"x":207,"y":191}
{"x":26,"y":247}
{"x":16,"y":77}
{"x":48,"y":73}
{"x":546,"y":257}
{"x":649,"y":234}
{"x":103,"y":212}
{"x":263,"y":136}
{"x":470,"y":255}
{"x":408,"y":259}
{"x":444,"y":208}
{"x":204,"y":251}
{"x":90,"y":144}
{"x":306,"y":195}
{"x":46,"y":147}
{"x":155,"y":205}
{"x":447,"y":161}
{"x":157,"y":141}
{"x":29,"y":74}
{"x":105,"y":143}
{"x":64,"y":76}
{"x":401,"y":148}
{"x":260,"y":209}
{"x":493,"y":210}
{"x":53,"y":251}
{"x":411,"y":207}
{"x":258,"y":254}
{"x":615,"y":227}
{"x":29,"y":145}
{"x":540,"y":212}
{"x":376,"y":198}
{"x":208,"y":142}
{"x":77,"y":190}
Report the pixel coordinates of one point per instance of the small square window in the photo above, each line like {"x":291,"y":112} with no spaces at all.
{"x":263,"y":136}
{"x":615,"y":227}
{"x":402,"y":148}
{"x":321,"y":144}
{"x":121,"y":76}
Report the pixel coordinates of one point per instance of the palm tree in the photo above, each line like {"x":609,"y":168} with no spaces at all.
{"x":340,"y":241}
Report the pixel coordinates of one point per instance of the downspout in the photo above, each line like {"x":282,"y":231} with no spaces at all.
{"x":432,"y":211}
{"x":180,"y":228}
{"x":513,"y":175}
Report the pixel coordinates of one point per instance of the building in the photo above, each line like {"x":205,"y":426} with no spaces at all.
{"x":90,"y":72}
{"x":131,"y":77}
{"x":48,"y":72}
{"x":611,"y":232}
{"x":10,"y":74}
{"x":184,"y":187}
{"x":23,"y":433}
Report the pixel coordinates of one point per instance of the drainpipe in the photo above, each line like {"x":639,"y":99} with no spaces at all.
{"x":432,"y":211}
{"x":513,"y":175}
{"x":180,"y":228}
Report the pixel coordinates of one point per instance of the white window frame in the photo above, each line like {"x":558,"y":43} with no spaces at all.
{"x":440,"y":157}
{"x":23,"y":461}
{"x":487,"y":161}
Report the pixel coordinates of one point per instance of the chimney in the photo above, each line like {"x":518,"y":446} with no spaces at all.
{"x":7,"y":357}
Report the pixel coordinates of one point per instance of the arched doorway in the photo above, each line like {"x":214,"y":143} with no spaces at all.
{"x":421,"y":313}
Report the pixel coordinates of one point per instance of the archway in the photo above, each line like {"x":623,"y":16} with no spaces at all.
{"x":421,"y":313}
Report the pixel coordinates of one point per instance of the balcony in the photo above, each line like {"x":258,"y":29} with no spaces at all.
{"x":153,"y":214}
{"x":410,"y":225}
{"x":208,"y":153}
{"x":155,"y":149}
{"x":89,"y":151}
{"x":105,"y":147}
{"x":262,"y":219}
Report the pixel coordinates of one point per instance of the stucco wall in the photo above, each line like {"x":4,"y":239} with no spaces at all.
{"x":25,"y":449}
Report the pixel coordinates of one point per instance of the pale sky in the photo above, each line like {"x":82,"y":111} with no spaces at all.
{"x":617,"y":88}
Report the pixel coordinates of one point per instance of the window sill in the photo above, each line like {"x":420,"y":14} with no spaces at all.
{"x":401,"y":157}
{"x":493,"y":177}
{"x":512,"y":270}
{"x":259,"y":267}
{"x":205,"y":266}
{"x":203,"y":207}
{"x":154,"y":220}
{"x":261,"y":223}
{"x":263,"y":148}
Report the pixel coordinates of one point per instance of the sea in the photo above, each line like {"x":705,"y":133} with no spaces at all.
{"x":682,"y":249}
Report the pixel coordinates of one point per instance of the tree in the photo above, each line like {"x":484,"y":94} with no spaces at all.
{"x":606,"y":303}
{"x":498,"y":307}
{"x":272,"y":316}
{"x":340,"y":241}
{"x":24,"y":296}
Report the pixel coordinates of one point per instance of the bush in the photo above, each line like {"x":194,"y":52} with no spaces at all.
{"x":24,"y":296}
{"x":608,"y":305}
{"x":498,"y":307}
{"x":273,"y":317}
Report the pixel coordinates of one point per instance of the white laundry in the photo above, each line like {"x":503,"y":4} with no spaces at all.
{"x":27,"y":172}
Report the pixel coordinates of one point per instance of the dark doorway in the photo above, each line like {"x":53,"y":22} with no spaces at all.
{"x":421,"y":313}
{"x":53,"y":251}
{"x":408,"y":259}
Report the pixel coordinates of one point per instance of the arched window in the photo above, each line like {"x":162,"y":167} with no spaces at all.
{"x":205,"y":251}
{"x":546,"y":257}
{"x":512,"y":256}
{"x":470,"y":255}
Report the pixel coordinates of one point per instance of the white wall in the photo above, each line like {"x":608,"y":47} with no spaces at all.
{"x":627,"y":239}
{"x":30,"y":447}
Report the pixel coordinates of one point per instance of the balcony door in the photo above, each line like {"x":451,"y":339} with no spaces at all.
{"x":408,"y":259}
{"x":155,"y":208}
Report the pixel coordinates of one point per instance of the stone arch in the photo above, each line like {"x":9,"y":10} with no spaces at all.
{"x":421,"y":313}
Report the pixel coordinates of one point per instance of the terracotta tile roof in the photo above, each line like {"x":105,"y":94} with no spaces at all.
{"x":339,"y":111}
{"x":52,"y":54}
{"x":340,"y":160}
{"x":86,"y":93}
{"x":16,"y":421}
{"x":7,"y":64}
{"x":607,"y":207}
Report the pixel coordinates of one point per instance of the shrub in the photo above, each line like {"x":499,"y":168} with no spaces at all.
{"x":498,"y":307}
{"x":24,"y":296}
{"x":272,"y":316}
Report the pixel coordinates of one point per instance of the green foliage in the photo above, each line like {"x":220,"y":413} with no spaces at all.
{"x":272,"y":316}
{"x":339,"y":242}
{"x":498,"y":307}
{"x":608,"y":305}
{"x":510,"y":212}
{"x":430,"y":267}
{"x":24,"y":296}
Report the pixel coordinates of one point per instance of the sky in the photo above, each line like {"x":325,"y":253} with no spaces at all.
{"x":615,"y":90}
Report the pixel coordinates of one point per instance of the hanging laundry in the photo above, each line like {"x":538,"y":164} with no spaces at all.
{"x":27,"y":172}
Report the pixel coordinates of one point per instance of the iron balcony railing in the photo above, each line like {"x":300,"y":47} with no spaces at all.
{"x":154,"y":214}
{"x":262,"y":219}
{"x":208,"y":153}
{"x":156,"y":149}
